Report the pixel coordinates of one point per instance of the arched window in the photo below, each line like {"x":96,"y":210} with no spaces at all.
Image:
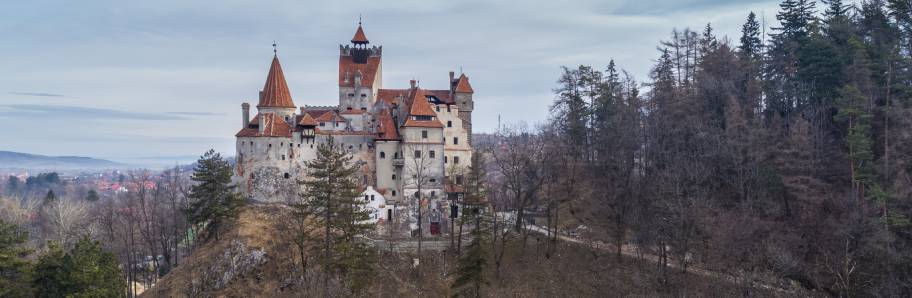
{"x":287,"y":176}
{"x":382,"y":154}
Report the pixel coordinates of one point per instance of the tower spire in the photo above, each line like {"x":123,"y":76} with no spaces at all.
{"x":360,"y":38}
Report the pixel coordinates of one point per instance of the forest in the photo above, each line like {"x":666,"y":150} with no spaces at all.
{"x":787,"y":155}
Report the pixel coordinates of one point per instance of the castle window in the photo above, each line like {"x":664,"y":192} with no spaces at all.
{"x":363,"y":95}
{"x":382,"y":154}
{"x":433,"y":193}
{"x":459,"y":180}
{"x":270,"y":146}
{"x":351,"y":95}
{"x":394,"y":193}
{"x":455,"y":141}
{"x":448,"y":109}
{"x":424,"y":134}
{"x":322,"y":123}
{"x":445,"y":158}
{"x":282,"y":144}
{"x":287,"y":176}
{"x":437,"y":108}
{"x":417,"y":153}
{"x":433,"y":180}
{"x":431,"y":154}
{"x":372,"y":197}
{"x":283,"y":156}
{"x":365,"y":197}
{"x":449,"y":123}
{"x":394,"y":176}
{"x":456,"y":160}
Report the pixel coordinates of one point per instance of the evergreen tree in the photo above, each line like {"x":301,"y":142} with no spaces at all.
{"x":14,"y":267}
{"x":331,"y":198}
{"x":92,"y":196}
{"x":751,"y":45}
{"x":12,"y":185}
{"x":86,"y":271}
{"x":214,"y":201}
{"x":470,"y":270}
{"x":50,"y":278}
{"x":49,"y":198}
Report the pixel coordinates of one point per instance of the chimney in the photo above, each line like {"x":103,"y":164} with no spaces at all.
{"x":452,"y":85}
{"x":412,"y":83}
{"x":262,"y":123}
{"x":245,"y":114}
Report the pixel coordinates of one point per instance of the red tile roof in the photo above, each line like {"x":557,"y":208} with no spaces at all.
{"x":330,"y":117}
{"x":275,"y":91}
{"x":389,"y":95}
{"x":422,"y":123}
{"x":307,"y":120}
{"x":420,"y":105}
{"x":275,"y":126}
{"x":443,"y":95}
{"x":359,"y":36}
{"x":386,"y":128}
{"x":347,"y":66}
{"x":463,"y":86}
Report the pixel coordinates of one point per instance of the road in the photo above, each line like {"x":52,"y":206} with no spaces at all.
{"x":631,"y":251}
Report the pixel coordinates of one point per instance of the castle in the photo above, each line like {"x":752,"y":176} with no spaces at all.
{"x":404,"y":140}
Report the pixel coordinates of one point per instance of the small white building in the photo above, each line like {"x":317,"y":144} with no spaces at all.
{"x":376,"y":203}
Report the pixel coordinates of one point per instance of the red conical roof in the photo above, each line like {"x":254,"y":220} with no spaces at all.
{"x":463,"y":85}
{"x":359,"y":36}
{"x":275,"y":92}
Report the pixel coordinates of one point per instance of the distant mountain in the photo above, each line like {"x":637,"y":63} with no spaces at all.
{"x":17,"y":160}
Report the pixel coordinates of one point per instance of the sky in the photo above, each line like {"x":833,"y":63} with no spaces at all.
{"x":162,"y":81}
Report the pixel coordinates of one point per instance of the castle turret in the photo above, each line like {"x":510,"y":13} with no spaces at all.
{"x":462,"y":91}
{"x":275,"y":97}
{"x":360,"y":73}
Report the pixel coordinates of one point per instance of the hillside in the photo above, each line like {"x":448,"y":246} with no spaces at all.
{"x":257,"y":257}
{"x":17,"y":160}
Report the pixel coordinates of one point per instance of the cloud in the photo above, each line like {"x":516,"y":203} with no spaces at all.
{"x":29,"y":110}
{"x":42,"y":94}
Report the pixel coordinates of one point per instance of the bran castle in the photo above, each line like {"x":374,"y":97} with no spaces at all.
{"x":403,"y":140}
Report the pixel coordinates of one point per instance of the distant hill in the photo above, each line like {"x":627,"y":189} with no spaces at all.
{"x":17,"y":160}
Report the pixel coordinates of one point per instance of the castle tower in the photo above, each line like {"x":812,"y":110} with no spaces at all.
{"x":360,"y":73}
{"x":462,"y":92}
{"x":275,"y":97}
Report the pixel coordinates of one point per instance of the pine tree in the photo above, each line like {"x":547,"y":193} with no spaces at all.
{"x":12,"y":185}
{"x":470,"y":270}
{"x":332,"y":200}
{"x":86,"y":271}
{"x":214,"y":201}
{"x":92,"y":196}
{"x":49,"y":198}
{"x":14,"y":268}
{"x":751,"y":46}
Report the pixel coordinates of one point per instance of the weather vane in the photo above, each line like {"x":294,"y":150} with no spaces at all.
{"x":275,"y":49}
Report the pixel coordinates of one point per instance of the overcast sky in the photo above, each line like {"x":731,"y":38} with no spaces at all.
{"x":137,"y":80}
